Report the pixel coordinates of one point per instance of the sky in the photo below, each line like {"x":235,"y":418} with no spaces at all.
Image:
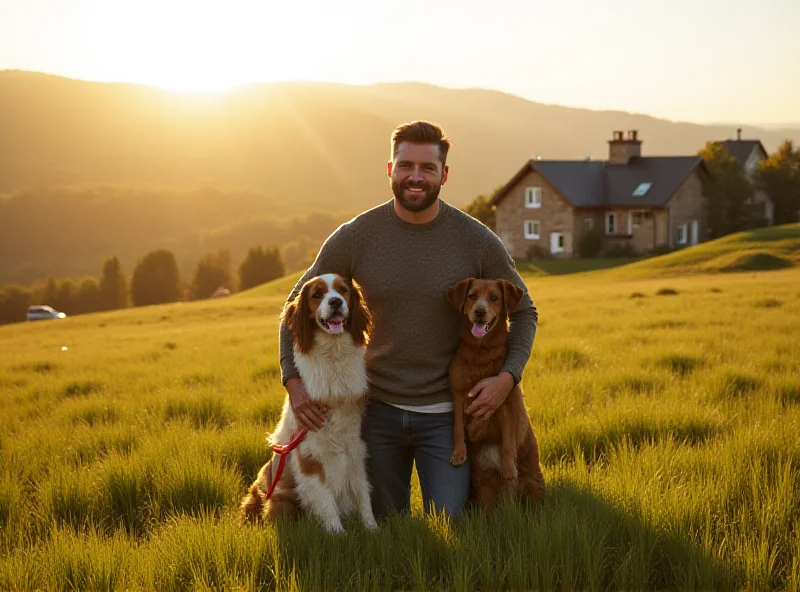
{"x":703,"y":61}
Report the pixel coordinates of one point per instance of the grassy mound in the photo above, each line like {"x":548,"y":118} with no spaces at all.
{"x":764,"y":249}
{"x":279,"y":287}
{"x":751,"y":261}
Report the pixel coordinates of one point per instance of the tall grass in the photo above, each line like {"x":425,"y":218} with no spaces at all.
{"x":668,"y":429}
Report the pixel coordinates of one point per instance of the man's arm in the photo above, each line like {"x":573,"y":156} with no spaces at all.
{"x":335,"y":256}
{"x":497,"y":264}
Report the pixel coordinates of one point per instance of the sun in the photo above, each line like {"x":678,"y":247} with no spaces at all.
{"x":203,"y":46}
{"x":190,"y":46}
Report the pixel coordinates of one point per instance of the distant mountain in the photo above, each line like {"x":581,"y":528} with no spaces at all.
{"x":310,"y":143}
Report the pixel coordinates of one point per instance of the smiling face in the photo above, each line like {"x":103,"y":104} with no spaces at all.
{"x":483,"y":306}
{"x":330,"y":304}
{"x":485,"y":303}
{"x":417,"y":174}
{"x":328,"y":299}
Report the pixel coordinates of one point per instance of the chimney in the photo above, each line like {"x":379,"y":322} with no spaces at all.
{"x":622,"y":149}
{"x":738,"y":134}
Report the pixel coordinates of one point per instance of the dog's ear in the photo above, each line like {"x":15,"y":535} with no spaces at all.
{"x":297,"y":317}
{"x":512,"y":295}
{"x":457,"y":293}
{"x":360,"y":322}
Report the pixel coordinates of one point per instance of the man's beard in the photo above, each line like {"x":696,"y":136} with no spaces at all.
{"x":431,"y":194}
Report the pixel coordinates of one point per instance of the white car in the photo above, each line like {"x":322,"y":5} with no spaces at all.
{"x":39,"y":312}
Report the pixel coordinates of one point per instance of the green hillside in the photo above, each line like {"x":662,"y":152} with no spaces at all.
{"x":762,"y":249}
{"x":276,"y":288}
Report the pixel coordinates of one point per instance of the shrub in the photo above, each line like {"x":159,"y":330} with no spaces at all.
{"x":590,"y":244}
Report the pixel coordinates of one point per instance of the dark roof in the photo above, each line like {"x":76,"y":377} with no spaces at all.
{"x":597,"y":183}
{"x":742,"y":149}
{"x":580,"y":182}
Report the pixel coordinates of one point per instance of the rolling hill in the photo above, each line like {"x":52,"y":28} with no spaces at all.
{"x":310,"y":143}
{"x":91,"y":169}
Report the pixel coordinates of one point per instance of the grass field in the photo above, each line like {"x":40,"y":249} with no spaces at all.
{"x":667,"y":409}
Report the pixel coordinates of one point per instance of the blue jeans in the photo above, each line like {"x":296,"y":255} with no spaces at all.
{"x":396,"y":439}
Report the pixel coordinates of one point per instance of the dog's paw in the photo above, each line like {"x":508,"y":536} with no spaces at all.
{"x":334,"y":528}
{"x":370,"y":523}
{"x":509,"y":472}
{"x":459,"y":455}
{"x":252,"y":505}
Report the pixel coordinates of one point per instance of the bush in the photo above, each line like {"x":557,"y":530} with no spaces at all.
{"x":623,"y":250}
{"x":660,"y":250}
{"x":590,"y":244}
{"x":534,"y":252}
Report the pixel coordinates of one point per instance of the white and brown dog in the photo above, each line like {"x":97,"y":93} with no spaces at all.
{"x":325,"y":475}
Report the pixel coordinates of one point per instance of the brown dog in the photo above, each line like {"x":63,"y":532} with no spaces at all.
{"x":503,"y":450}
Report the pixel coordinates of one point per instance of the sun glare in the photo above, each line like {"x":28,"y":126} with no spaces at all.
{"x":196,"y":47}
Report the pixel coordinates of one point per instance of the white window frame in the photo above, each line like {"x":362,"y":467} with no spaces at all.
{"x":536,"y":229}
{"x":533,"y":197}
{"x":588,"y":223}
{"x":557,"y":249}
{"x":683,"y":234}
{"x":611,"y":216}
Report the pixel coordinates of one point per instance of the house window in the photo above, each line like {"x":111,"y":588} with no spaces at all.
{"x":639,"y":216}
{"x":588,"y":223}
{"x":533,"y":197}
{"x":681,"y":234}
{"x":642,"y":189}
{"x":532,"y":229}
{"x":611,"y":223}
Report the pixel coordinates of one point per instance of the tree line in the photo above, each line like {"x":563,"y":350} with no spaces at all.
{"x":156,"y":279}
{"x":730,"y":192}
{"x":66,"y":230}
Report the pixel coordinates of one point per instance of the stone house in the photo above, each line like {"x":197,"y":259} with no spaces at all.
{"x":635,"y":202}
{"x":749,"y":153}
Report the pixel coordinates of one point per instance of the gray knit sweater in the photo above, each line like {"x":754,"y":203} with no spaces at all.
{"x":404,"y":270}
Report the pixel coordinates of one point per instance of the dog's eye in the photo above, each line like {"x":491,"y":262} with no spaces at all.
{"x":317,"y":294}
{"x":342,"y":290}
{"x":493,"y":298}
{"x":473,"y":296}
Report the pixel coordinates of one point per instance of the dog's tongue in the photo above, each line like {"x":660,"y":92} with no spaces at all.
{"x":479,"y":329}
{"x":335,"y":327}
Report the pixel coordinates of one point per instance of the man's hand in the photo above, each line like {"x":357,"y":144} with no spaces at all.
{"x":489,"y":394}
{"x":310,"y":414}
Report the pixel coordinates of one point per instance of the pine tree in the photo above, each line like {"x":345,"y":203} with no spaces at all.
{"x":113,"y":285}
{"x":259,"y":266}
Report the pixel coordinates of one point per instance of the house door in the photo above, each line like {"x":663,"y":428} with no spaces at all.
{"x":556,"y":242}
{"x":694,"y":232}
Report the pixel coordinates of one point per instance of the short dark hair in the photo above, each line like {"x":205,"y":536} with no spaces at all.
{"x":421,"y":132}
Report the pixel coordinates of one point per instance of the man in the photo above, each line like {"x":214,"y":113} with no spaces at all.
{"x":405,"y":254}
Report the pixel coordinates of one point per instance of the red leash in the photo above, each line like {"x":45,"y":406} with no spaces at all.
{"x":281,"y":450}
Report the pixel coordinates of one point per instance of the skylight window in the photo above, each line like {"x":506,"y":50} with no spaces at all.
{"x":642,"y":189}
